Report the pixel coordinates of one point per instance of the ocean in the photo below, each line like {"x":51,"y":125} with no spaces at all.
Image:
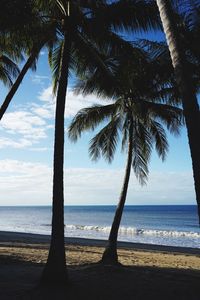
{"x":174,"y":225}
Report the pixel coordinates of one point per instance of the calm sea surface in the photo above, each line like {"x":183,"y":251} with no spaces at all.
{"x":163,"y":225}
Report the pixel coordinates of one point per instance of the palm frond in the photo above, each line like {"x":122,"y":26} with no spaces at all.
{"x":125,"y":134}
{"x":8,"y":70}
{"x":91,"y":59}
{"x":156,"y":50}
{"x":5,"y":77}
{"x":160,"y":138}
{"x":140,"y":163}
{"x":104,"y":143}
{"x":61,"y":5}
{"x":130,"y":15}
{"x":171,"y":116}
{"x":89,"y":119}
{"x":142,"y":148}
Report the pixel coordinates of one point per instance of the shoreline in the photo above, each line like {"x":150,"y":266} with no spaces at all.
{"x":8,"y":238}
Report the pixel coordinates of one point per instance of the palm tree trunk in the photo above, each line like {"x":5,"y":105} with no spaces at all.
{"x":18,"y":81}
{"x":55,"y":270}
{"x":110,"y":253}
{"x":184,"y":81}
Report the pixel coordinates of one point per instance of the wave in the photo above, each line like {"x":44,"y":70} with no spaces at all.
{"x":132,"y":231}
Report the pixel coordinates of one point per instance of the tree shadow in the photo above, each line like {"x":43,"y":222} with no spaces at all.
{"x":20,"y":281}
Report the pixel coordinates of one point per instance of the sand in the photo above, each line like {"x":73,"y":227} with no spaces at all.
{"x":147,"y":271}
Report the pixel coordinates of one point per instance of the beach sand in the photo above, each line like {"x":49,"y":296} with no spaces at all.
{"x":147,"y":271}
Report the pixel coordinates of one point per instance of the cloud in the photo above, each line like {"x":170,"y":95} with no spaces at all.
{"x":104,"y":186}
{"x":39,"y":79}
{"x":46,"y":112}
{"x":23,"y":128}
{"x":28,"y":183}
{"x":46,"y":95}
{"x":42,"y":52}
{"x":24,"y":182}
{"x":21,"y":143}
{"x":73,"y":102}
{"x":40,"y":149}
{"x":24,"y":123}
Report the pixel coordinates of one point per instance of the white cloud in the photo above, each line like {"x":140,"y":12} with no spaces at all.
{"x":73,"y":102}
{"x":31,"y":183}
{"x":39,"y":79}
{"x":104,"y":186}
{"x":24,"y":183}
{"x":43,"y":112}
{"x":40,"y":149}
{"x":42,"y":52}
{"x":21,"y":121}
{"x":7,"y":142}
{"x":22,"y":129}
{"x":46,"y":95}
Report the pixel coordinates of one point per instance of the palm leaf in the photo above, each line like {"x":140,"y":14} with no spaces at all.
{"x":130,"y":15}
{"x":8,"y":70}
{"x":139,"y":164}
{"x":160,"y":138}
{"x":104,"y":143}
{"x":89,"y":119}
{"x":171,"y":116}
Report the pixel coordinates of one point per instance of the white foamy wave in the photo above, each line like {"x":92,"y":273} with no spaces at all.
{"x":132,"y":231}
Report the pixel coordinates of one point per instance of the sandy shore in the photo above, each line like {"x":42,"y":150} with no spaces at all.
{"x":159,"y":272}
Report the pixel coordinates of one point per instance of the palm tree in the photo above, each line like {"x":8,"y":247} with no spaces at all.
{"x":138,"y":123}
{"x":186,"y":87}
{"x":139,"y":91}
{"x":85,"y":29}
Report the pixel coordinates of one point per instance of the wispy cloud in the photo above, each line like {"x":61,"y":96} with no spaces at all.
{"x":21,"y":143}
{"x":44,"y":111}
{"x":39,"y":79}
{"x":31,"y":183}
{"x":104,"y":186}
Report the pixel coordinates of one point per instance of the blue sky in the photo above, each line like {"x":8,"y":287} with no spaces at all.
{"x":26,"y":147}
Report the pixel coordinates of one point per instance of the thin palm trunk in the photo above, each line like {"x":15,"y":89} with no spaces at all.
{"x":55,"y":270}
{"x":17,"y":83}
{"x":110,"y":253}
{"x":184,"y":81}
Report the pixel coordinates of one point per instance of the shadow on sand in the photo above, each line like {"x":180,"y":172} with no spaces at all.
{"x":19,"y":280}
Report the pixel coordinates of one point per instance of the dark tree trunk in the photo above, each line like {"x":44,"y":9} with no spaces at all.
{"x":55,"y":270}
{"x":184,"y":81}
{"x":18,"y":81}
{"x":110,"y":254}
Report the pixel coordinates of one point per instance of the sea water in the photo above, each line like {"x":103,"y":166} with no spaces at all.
{"x":175,"y":225}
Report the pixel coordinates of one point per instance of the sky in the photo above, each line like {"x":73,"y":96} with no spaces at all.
{"x":26,"y":147}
